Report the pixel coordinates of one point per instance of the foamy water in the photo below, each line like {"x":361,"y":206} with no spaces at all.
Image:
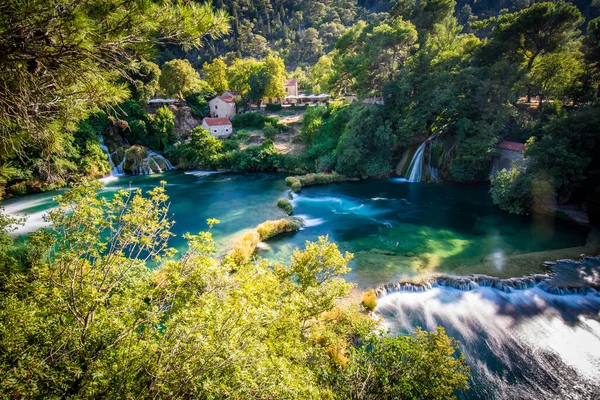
{"x":527,"y":344}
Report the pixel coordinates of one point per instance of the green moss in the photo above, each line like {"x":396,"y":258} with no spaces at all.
{"x":285,"y":205}
{"x":244,"y":248}
{"x":268,"y":229}
{"x":298,"y":182}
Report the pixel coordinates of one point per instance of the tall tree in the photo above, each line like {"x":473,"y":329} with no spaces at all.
{"x":215,"y":74}
{"x":179,"y":78}
{"x":275,"y":70}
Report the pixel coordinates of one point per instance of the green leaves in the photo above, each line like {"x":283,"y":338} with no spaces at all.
{"x":92,"y":319}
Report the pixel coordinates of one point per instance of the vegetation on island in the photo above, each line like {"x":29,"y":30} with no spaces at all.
{"x":285,"y":205}
{"x":296,"y":183}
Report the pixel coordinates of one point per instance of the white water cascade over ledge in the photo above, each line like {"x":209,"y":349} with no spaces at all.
{"x":415,"y":168}
{"x":150,"y":164}
{"x":536,"y":337}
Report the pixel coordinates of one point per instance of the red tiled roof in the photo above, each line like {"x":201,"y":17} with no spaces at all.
{"x":227,"y":99}
{"x":290,"y":82}
{"x":514,"y":146}
{"x":217,"y":121}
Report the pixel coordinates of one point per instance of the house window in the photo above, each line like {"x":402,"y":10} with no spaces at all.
{"x":227,"y":130}
{"x":216,"y":106}
{"x":215,"y":131}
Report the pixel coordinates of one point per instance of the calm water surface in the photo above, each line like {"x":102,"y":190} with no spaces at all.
{"x":393,"y":227}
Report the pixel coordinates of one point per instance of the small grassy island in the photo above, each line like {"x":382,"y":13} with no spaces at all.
{"x":349,"y":199}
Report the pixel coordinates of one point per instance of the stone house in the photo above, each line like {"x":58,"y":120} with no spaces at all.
{"x":291,"y":87}
{"x":222,"y":107}
{"x":218,"y":127}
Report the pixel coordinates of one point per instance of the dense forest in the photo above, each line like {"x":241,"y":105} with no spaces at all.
{"x":82,"y":315}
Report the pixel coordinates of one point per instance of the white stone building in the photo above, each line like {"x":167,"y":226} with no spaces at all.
{"x":291,"y":87}
{"x":222,"y":107}
{"x":218,"y":127}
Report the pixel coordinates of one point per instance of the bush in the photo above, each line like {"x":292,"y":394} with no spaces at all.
{"x":201,"y":151}
{"x":262,"y":157}
{"x":269,"y":131}
{"x":369,"y":300}
{"x":198,"y":104}
{"x":285,"y":205}
{"x":268,"y":229}
{"x":511,"y":191}
{"x":254,"y":120}
{"x":273,"y":107}
{"x":294,"y":183}
{"x":242,"y":251}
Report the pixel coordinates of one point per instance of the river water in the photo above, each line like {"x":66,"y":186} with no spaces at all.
{"x":525,"y":344}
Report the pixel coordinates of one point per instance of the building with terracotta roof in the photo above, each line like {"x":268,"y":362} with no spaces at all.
{"x":232,"y":93}
{"x":218,"y":127}
{"x":222,"y":107}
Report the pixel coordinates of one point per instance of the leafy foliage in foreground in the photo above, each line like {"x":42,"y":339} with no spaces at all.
{"x":89,"y":319}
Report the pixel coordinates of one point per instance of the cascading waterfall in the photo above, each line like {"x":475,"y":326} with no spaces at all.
{"x":536,"y":337}
{"x":115,"y":170}
{"x":556,"y":283}
{"x":153,"y":163}
{"x":415,"y":168}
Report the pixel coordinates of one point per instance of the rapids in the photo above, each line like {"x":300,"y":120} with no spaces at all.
{"x":521,"y":343}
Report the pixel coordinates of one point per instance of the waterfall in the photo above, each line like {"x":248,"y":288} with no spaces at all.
{"x":415,"y":168}
{"x":563,"y":281}
{"x":527,"y":343}
{"x":153,"y":163}
{"x":115,"y":170}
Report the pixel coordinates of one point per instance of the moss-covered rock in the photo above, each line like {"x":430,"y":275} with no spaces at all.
{"x":285,"y":205}
{"x":140,"y":160}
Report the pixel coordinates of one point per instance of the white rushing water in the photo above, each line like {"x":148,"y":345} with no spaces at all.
{"x":520,"y":344}
{"x":415,"y":168}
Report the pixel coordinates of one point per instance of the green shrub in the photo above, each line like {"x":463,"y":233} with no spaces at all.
{"x":511,"y":191}
{"x":253,"y":120}
{"x":285,"y":205}
{"x":269,"y":131}
{"x":273,"y":107}
{"x":242,"y":251}
{"x":369,"y":300}
{"x":198,"y":104}
{"x":268,"y":229}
